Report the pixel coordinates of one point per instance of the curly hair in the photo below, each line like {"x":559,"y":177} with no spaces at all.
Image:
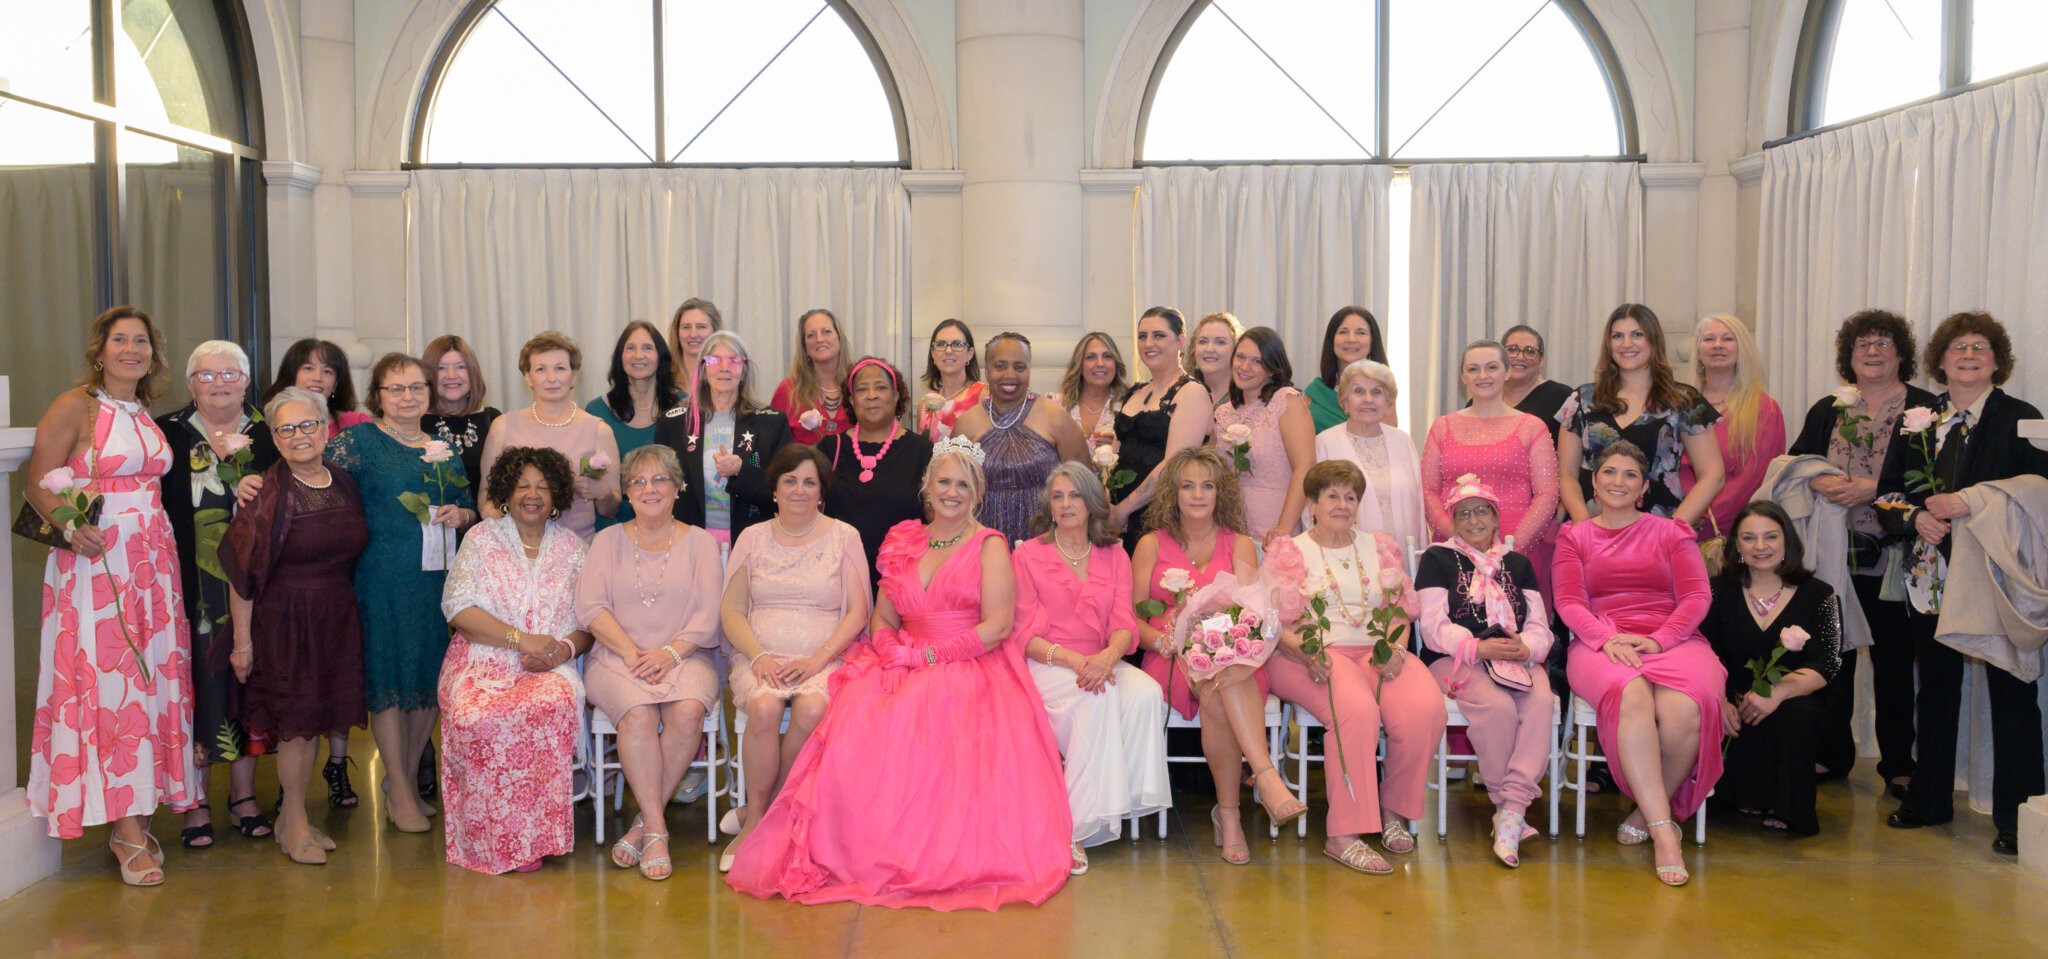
{"x":1876,"y":323}
{"x":553,"y":466}
{"x":888,"y":369}
{"x":1164,"y":511}
{"x":1964,"y":324}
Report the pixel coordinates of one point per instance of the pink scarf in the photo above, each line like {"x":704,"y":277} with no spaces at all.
{"x":1484,"y":589}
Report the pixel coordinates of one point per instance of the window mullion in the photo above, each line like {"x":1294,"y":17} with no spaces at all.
{"x":660,"y":83}
{"x":1382,"y":59}
{"x":1955,"y":44}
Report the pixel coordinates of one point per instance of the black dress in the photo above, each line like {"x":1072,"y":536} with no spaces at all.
{"x":871,"y":507}
{"x":465,"y":435}
{"x":1770,"y":765}
{"x":1141,"y":447}
{"x":1545,"y":402}
{"x":200,"y":503}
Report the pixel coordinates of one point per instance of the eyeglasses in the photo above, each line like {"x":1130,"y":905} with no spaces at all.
{"x":949,"y":346}
{"x":736,"y":362}
{"x":1471,"y":512}
{"x":1529,"y":351}
{"x":1876,"y":344}
{"x":289,"y":430}
{"x":230,"y":377}
{"x":400,"y":389}
{"x":657,"y":481}
{"x":1958,"y":347}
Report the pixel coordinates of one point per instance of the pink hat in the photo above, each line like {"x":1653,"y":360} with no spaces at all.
{"x":1467,"y":487}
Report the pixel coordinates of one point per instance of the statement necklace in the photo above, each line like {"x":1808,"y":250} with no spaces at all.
{"x":936,"y":544}
{"x":1763,"y":606}
{"x":1336,"y":593}
{"x":867,"y":463}
{"x":647,"y":599}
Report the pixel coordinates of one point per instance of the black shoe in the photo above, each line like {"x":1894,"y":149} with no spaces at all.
{"x":1896,"y":790}
{"x":429,"y":780}
{"x":1908,"y":818}
{"x":341,"y":794}
{"x":2007,"y":844}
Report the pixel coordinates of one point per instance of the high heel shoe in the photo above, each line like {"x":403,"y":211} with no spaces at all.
{"x":1289,"y":811}
{"x":416,"y":824}
{"x":1244,"y":854}
{"x":341,"y":794}
{"x":151,"y":876}
{"x":1671,"y":875}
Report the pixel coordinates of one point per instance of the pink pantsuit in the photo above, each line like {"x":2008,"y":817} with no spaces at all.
{"x":1645,"y":579}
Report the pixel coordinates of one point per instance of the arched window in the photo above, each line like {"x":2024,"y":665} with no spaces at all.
{"x":1860,"y":57}
{"x":1405,"y":79}
{"x":657,"y":82}
{"x":129,"y":173}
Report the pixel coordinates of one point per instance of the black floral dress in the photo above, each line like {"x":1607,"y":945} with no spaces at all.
{"x":1660,"y":433}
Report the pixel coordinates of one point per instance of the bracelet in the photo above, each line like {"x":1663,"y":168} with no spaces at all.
{"x":931,"y":656}
{"x":755,"y":663}
{"x":672,"y":654}
{"x":243,"y":649}
{"x":512,"y":640}
{"x":1049,"y":650}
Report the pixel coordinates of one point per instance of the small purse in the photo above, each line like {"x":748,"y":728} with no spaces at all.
{"x":29,"y":523}
{"x":1508,"y":673}
{"x":1713,"y":550}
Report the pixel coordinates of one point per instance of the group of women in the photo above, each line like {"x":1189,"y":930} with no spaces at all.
{"x":944,"y":606}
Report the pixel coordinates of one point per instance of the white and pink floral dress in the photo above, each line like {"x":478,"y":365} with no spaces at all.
{"x":508,"y":736}
{"x":108,"y":742}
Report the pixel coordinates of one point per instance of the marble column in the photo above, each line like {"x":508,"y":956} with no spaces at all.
{"x":27,"y":853}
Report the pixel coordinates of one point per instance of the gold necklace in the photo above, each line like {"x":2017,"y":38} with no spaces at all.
{"x":933,"y":544}
{"x":648,"y":599}
{"x":418,"y":436}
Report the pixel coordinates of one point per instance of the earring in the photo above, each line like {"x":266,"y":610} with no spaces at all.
{"x":97,"y":367}
{"x":554,"y":513}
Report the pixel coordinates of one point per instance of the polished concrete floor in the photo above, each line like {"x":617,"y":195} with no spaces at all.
{"x":1859,"y":889}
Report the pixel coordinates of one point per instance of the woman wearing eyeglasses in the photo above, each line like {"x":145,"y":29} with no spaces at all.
{"x":724,"y":440}
{"x":1527,"y":389}
{"x":952,"y":377}
{"x":399,"y":581}
{"x":220,"y":446}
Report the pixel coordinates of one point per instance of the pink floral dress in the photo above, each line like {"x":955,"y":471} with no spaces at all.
{"x":1265,"y":487}
{"x":508,"y":736}
{"x":107,"y":742}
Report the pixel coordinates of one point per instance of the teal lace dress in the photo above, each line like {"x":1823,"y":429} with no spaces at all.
{"x":404,"y":633}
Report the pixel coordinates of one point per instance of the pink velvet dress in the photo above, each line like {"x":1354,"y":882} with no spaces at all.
{"x":1171,"y":674}
{"x":1265,"y":487}
{"x":1645,"y":579}
{"x":1513,"y":454}
{"x":938,"y":787}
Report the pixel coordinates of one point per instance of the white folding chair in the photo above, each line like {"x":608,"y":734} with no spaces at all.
{"x":604,"y":758}
{"x":1276,"y":725}
{"x":739,"y":753}
{"x":1300,"y":755}
{"x":1579,"y":723}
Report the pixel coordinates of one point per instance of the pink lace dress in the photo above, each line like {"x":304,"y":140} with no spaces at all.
{"x":1265,"y":487}
{"x":508,"y":736}
{"x":108,"y":743}
{"x":797,"y":595}
{"x":1514,"y":455}
{"x":938,"y":787}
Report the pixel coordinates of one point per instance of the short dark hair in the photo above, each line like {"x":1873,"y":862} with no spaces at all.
{"x":792,"y":455}
{"x":548,"y":341}
{"x":1879,"y":323}
{"x":1791,"y":566}
{"x":1272,"y":356}
{"x":1174,"y":321}
{"x":1964,"y":324}
{"x":1331,"y":367}
{"x":342,"y":399}
{"x":1622,"y":448}
{"x":388,"y":364}
{"x":1523,"y":328}
{"x":553,"y":466}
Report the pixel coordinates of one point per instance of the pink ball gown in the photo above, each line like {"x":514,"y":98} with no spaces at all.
{"x":938,"y":787}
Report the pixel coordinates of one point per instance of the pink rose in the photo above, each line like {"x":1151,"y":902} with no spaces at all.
{"x":1176,"y":579}
{"x":933,"y":402}
{"x":1848,"y":396}
{"x":1258,"y":647}
{"x":236,"y":442}
{"x":600,"y":461}
{"x":1239,"y":632}
{"x":1225,"y":657}
{"x":1917,"y":419}
{"x":1392,"y":579}
{"x":1793,"y":638}
{"x":1243,"y":646}
{"x":1247,"y":618}
{"x":59,"y":480}
{"x":1237,"y":433}
{"x":1200,"y":662}
{"x":810,"y":420}
{"x":436,"y":451}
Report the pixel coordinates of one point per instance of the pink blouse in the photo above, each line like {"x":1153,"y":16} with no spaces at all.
{"x":1513,"y":454}
{"x":1055,"y":605}
{"x":1745,"y":474}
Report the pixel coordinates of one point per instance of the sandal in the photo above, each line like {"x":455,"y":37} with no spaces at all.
{"x":1395,"y":836}
{"x":151,"y":876}
{"x":196,"y":837}
{"x":1629,"y":835}
{"x":341,"y":794}
{"x":429,"y":778}
{"x":1508,"y":830}
{"x":252,"y":827}
{"x":625,"y":855}
{"x":1289,"y":811}
{"x":650,"y":864}
{"x":1080,"y":859}
{"x":1359,"y":857}
{"x":1671,"y":875}
{"x":1244,"y":854}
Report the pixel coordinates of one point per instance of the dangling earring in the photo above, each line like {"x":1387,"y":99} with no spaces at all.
{"x":554,"y":513}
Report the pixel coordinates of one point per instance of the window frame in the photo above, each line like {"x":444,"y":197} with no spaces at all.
{"x":1576,"y":11}
{"x":473,"y":13}
{"x":1815,"y":60}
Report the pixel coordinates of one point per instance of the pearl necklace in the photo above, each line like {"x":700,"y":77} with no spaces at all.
{"x":867,"y":463}
{"x":797,"y":534}
{"x":1015,"y":415}
{"x":534,"y":411}
{"x":648,"y":599}
{"x":310,"y":485}
{"x":1074,"y":561}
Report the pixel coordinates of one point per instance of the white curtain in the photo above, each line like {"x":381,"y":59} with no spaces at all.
{"x":498,"y":255}
{"x":1554,"y":245}
{"x":1279,"y":246}
{"x":1932,"y":210}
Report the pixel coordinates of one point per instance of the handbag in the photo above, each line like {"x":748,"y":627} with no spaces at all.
{"x":1713,"y":550}
{"x":30,"y":524}
{"x":1508,"y":673}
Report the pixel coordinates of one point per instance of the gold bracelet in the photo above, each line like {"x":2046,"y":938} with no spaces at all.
{"x":512,"y":640}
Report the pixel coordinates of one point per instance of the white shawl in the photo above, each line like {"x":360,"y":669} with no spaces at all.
{"x":1823,"y":529}
{"x":1404,"y":469}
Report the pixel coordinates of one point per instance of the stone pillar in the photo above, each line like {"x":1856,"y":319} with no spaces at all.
{"x":1019,"y":79}
{"x":27,"y":853}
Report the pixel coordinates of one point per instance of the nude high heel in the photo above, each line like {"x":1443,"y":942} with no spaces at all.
{"x":152,"y":876}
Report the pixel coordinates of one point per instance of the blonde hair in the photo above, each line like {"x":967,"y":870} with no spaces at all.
{"x":1187,"y":352}
{"x":804,"y":388}
{"x":977,"y":481}
{"x":1070,"y":383}
{"x":1746,"y":394}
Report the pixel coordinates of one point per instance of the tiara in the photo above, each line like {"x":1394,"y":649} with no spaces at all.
{"x":961,"y":445}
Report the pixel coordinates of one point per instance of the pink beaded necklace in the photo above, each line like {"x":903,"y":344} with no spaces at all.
{"x":867,"y":463}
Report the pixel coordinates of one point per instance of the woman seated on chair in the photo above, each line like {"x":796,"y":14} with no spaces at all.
{"x":1075,"y":620}
{"x":1357,"y":573}
{"x":1197,"y":524}
{"x":649,"y":596}
{"x":1765,"y":592}
{"x":1633,"y":590}
{"x":796,"y":595}
{"x":511,"y":701}
{"x":1486,"y":635}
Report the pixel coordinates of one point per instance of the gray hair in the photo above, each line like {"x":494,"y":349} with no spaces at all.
{"x":293,"y":394}
{"x":1371,"y":369}
{"x":662,"y":457}
{"x":217,"y":348}
{"x":1092,"y":494}
{"x":744,"y":403}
